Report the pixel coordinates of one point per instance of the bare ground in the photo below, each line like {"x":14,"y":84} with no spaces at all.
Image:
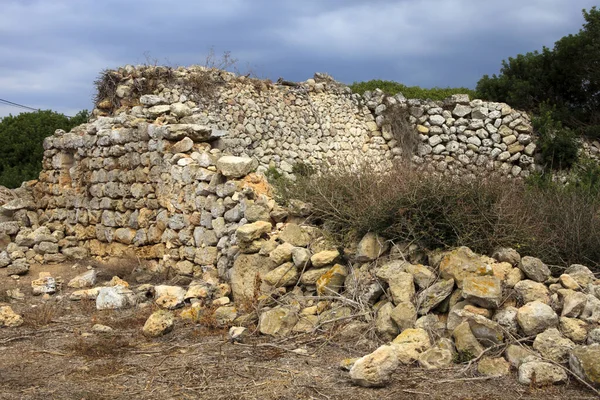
{"x":56,"y":355}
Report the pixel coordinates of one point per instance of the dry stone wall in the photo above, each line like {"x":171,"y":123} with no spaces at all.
{"x":320,"y":119}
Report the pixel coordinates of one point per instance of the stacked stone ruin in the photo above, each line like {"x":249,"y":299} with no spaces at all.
{"x":174,"y":178}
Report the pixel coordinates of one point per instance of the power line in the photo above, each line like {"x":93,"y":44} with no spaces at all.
{"x":10,"y":103}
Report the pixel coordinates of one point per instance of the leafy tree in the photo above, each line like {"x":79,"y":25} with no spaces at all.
{"x":21,"y":139}
{"x":566,"y":76}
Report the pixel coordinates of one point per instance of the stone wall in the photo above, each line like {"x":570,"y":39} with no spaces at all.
{"x":147,"y":171}
{"x":322,"y":120}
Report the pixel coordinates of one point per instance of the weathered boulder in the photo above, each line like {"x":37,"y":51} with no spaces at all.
{"x":404,"y":315}
{"x":507,"y":318}
{"x":535,"y":317}
{"x":485,"y":291}
{"x":507,"y":254}
{"x":246,"y":271}
{"x":581,"y":274}
{"x":466,"y":343}
{"x":278,"y":321}
{"x":169,"y":297}
{"x":573,"y":304}
{"x":253,"y":231}
{"x":528,"y":291}
{"x":282,"y":253}
{"x":434,"y":295}
{"x":371,"y":247}
{"x":534,"y":269}
{"x":486,"y":331}
{"x":573,"y":328}
{"x":516,"y":354}
{"x":236,"y":167}
{"x":409,"y":344}
{"x":553,"y":346}
{"x":333,"y":280}
{"x":541,"y":373}
{"x":584,"y":361}
{"x":384,"y":324}
{"x":324,"y":258}
{"x":285,"y":275}
{"x":115,"y":297}
{"x":439,"y":356}
{"x":159,"y":323}
{"x":375,"y":369}
{"x":461,"y":263}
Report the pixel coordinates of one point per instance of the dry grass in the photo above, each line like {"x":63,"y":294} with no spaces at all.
{"x":42,"y":315}
{"x":99,"y":346}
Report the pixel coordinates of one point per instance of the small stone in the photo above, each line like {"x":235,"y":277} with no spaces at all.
{"x":225,"y":315}
{"x":282,"y":253}
{"x":253,"y":231}
{"x":87,"y":279}
{"x":507,"y":254}
{"x":528,"y":291}
{"x":295,"y":235}
{"x":404,"y":315}
{"x":574,"y":304}
{"x":516,"y":354}
{"x":461,"y":263}
{"x":324,"y":258}
{"x":237,"y":333}
{"x":493,"y":367}
{"x":159,"y":323}
{"x":409,"y":344}
{"x":568,"y":282}
{"x":285,"y":275}
{"x":581,"y":274}
{"x":8,"y":318}
{"x":375,"y":369}
{"x":98,"y":328}
{"x":466,"y":343}
{"x":301,"y":257}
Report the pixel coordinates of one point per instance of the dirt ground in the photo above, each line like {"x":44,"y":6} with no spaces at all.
{"x":55,"y":355}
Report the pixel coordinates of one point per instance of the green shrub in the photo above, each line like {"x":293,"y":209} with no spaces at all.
{"x":557,"y":223}
{"x":558,"y":145}
{"x":410,"y":92}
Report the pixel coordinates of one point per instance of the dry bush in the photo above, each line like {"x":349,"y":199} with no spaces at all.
{"x":42,"y":315}
{"x":99,"y":346}
{"x":396,"y":117}
{"x":410,"y":205}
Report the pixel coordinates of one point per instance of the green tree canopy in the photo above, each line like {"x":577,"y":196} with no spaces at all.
{"x":21,"y":142}
{"x":410,"y":92}
{"x":566,"y":77}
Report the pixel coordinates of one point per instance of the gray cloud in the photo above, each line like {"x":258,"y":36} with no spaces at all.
{"x":51,"y":51}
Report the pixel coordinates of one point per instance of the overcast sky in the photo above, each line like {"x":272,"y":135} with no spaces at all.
{"x":52,"y":50}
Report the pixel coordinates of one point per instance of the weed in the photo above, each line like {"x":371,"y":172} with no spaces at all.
{"x":42,"y":315}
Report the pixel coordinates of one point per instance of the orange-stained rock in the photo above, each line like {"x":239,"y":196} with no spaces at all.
{"x":332,"y":280}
